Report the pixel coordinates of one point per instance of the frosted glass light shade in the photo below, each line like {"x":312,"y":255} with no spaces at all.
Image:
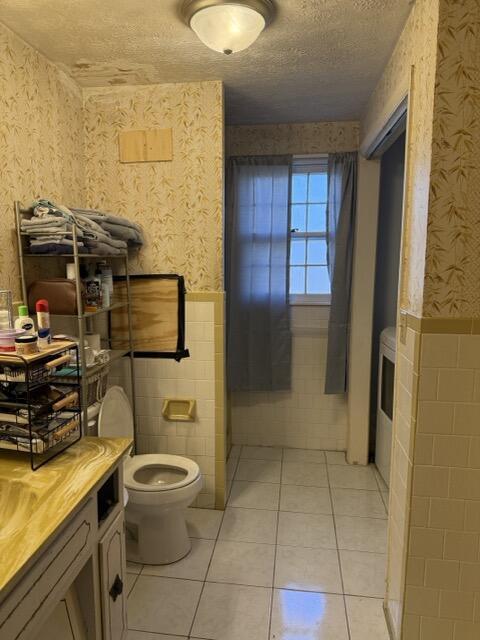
{"x":227,"y":28}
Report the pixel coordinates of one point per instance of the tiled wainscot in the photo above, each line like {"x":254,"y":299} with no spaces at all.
{"x":199,"y":377}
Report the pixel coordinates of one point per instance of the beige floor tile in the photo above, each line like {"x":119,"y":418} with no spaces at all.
{"x":261,"y":453}
{"x":232,"y":612}
{"x":307,"y":569}
{"x":305,"y":499}
{"x":349,"y":477}
{"x":361,"y":534}
{"x":363,"y":573}
{"x":134,"y":567}
{"x":131,"y":579}
{"x":193,"y":567}
{"x":203,"y":523}
{"x":385,"y":497}
{"x":353,"y":502}
{"x":304,"y":455}
{"x":308,"y":616}
{"x":249,"y":525}
{"x":306,"y":530}
{"x":382,"y":485}
{"x":242,"y":563}
{"x":235,"y":451}
{"x":366,"y":619}
{"x":254,"y":495}
{"x":163,"y":605}
{"x":231,"y":467}
{"x":141,"y":635}
{"x":336,"y":457}
{"x":306,"y":474}
{"x":258,"y":471}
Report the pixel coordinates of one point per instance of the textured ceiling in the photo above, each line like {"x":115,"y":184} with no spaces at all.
{"x":318,"y":60}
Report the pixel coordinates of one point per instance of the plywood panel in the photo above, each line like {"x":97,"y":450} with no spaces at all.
{"x":154,"y":315}
{"x":132,"y":146}
{"x":152,"y":145}
{"x":158,"y":145}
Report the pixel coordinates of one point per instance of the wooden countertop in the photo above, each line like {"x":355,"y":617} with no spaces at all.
{"x":34,"y":504}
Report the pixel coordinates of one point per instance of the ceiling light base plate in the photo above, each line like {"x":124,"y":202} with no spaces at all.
{"x":265,"y":8}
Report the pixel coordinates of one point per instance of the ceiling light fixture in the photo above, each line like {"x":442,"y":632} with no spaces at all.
{"x":226,"y":26}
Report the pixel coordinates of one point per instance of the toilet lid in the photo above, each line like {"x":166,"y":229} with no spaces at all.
{"x":159,"y":472}
{"x":115,"y":419}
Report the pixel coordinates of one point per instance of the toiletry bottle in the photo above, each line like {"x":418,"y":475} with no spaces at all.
{"x":107,"y":276}
{"x":105,"y":293}
{"x":107,"y":283}
{"x":24,"y":321}
{"x":93,"y":291}
{"x":43,"y":320}
{"x":44,"y":338}
{"x":6,"y":309}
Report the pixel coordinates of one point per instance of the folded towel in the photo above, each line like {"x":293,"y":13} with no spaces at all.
{"x":104,"y":249}
{"x":128,"y":234}
{"x":97,"y":215}
{"x":101,"y":233}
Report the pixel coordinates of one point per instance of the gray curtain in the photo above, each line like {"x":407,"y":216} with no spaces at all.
{"x":342,"y":197}
{"x":258,"y":316}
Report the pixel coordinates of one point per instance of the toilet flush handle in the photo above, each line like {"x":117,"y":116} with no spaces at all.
{"x":117,"y":588}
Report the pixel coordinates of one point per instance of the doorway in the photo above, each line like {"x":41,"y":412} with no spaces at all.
{"x":389,"y":232}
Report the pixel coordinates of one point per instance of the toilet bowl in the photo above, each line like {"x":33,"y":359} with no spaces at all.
{"x":160,"y":487}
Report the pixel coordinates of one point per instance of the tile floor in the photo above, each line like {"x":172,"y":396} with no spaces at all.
{"x":298,"y":554}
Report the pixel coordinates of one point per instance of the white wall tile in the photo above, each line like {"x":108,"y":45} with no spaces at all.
{"x":192,"y":378}
{"x":304,"y":417}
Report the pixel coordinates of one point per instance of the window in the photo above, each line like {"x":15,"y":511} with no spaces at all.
{"x":309,"y":279}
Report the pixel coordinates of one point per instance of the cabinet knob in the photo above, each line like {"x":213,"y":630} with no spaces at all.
{"x":117,"y":588}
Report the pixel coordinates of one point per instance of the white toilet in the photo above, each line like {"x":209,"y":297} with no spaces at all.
{"x":160,"y":487}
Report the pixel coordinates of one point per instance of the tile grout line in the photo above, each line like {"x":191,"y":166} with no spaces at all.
{"x":347,"y":621}
{"x":209,"y":563}
{"x":376,"y":474}
{"x":272,"y":595}
{"x":206,"y":574}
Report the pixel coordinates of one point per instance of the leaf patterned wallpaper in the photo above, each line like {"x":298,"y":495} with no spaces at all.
{"x":178,"y":203}
{"x":417,"y":47}
{"x":452,"y":279}
{"x":313,"y":137}
{"x":59,"y":142}
{"x":41,"y":139}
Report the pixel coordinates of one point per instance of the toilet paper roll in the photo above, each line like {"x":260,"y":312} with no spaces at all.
{"x":93,"y":341}
{"x":71,"y":271}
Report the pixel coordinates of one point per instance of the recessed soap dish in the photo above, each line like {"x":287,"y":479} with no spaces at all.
{"x":179,"y":410}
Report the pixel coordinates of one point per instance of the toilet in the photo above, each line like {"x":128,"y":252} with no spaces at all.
{"x":159,"y":486}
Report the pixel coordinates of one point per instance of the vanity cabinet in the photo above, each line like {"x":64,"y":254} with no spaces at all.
{"x":113,"y":576}
{"x":75,"y":587}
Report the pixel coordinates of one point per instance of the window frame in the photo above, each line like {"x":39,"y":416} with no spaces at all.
{"x":319,"y":163}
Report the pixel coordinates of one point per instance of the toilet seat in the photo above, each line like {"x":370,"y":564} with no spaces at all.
{"x":166,"y":462}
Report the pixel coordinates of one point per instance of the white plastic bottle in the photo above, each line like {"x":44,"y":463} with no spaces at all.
{"x":24,"y":321}
{"x":43,"y":319}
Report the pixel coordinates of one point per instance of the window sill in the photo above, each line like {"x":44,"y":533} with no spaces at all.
{"x":309,"y":300}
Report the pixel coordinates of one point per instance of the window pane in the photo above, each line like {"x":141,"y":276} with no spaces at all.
{"x":317,"y":251}
{"x":317,"y":187}
{"x":318,"y":280}
{"x":317,"y":217}
{"x":297,"y":279}
{"x":299,"y":187}
{"x":299,"y":217}
{"x":297,"y":251}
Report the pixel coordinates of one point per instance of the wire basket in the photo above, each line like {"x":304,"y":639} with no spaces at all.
{"x":97,"y":386}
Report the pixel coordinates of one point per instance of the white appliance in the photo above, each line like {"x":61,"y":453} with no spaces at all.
{"x":386,"y":380}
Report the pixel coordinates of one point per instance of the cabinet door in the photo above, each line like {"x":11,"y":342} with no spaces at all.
{"x":66,"y":621}
{"x":113,"y":586}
